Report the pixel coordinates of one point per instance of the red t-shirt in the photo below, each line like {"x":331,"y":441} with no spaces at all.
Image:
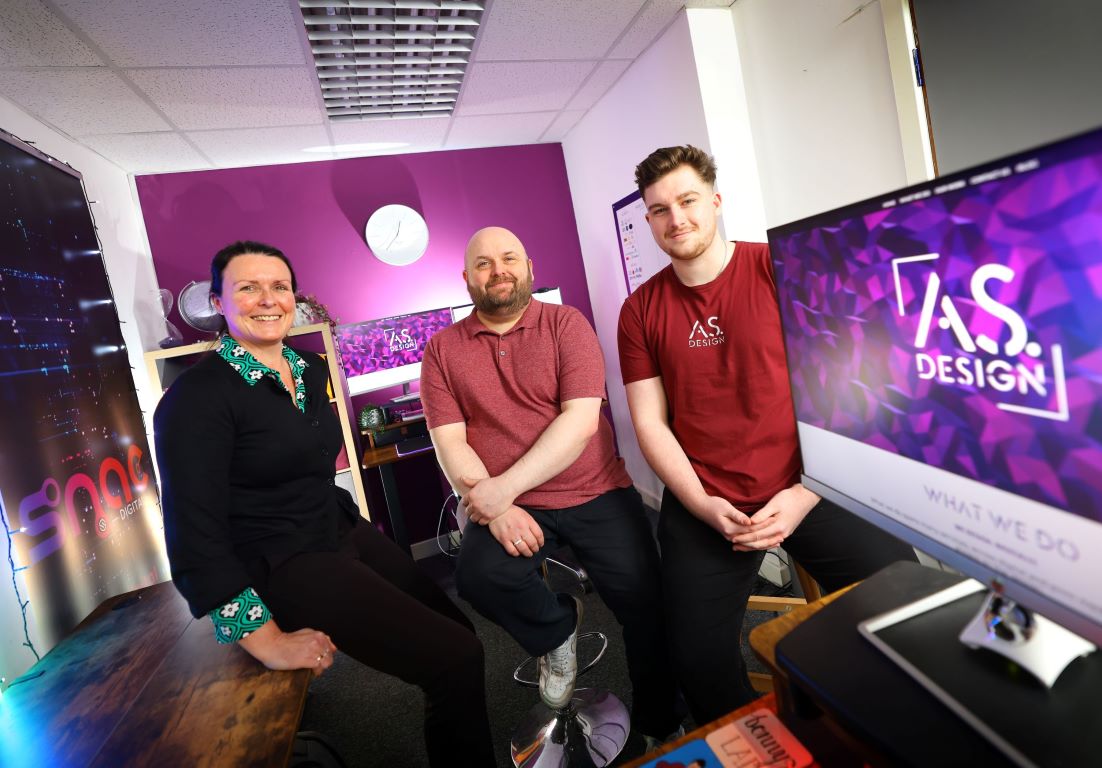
{"x":507,"y":388}
{"x":719,"y":350}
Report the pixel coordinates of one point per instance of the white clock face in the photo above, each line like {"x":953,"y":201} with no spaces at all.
{"x":397,"y":235}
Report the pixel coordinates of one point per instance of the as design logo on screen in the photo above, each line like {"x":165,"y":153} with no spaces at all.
{"x":398,"y":339}
{"x":1020,"y":374}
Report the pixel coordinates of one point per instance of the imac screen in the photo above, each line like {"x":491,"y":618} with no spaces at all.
{"x":386,"y":352}
{"x":945,"y":350}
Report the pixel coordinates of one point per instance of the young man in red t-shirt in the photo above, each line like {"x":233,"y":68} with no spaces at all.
{"x":512,"y":396}
{"x":703,"y":362}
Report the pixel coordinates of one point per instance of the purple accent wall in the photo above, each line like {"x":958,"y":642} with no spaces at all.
{"x":316,"y":212}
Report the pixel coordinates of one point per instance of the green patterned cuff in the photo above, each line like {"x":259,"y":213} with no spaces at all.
{"x":240,"y":617}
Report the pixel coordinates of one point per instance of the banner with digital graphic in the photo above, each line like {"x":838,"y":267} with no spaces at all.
{"x":76,"y":476}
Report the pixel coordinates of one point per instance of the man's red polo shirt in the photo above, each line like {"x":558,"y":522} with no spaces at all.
{"x":507,"y":388}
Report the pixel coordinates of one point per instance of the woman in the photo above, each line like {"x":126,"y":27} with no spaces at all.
{"x":261,"y":539}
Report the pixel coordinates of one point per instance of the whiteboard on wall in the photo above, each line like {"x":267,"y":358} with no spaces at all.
{"x":639,"y":254}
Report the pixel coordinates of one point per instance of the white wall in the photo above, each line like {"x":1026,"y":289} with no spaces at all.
{"x":821,"y":101}
{"x":656,"y":103}
{"x":795,"y":102}
{"x":730,"y":125}
{"x":133,"y":282}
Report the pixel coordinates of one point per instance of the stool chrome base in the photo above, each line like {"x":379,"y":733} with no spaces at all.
{"x":588,"y":733}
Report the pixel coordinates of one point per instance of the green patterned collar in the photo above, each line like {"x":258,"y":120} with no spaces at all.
{"x":252,"y":370}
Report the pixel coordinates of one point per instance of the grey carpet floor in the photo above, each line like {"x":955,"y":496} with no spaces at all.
{"x":376,"y":720}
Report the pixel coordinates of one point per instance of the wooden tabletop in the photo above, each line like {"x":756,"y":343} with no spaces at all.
{"x":140,"y":682}
{"x":764,"y":637}
{"x":377,"y":457}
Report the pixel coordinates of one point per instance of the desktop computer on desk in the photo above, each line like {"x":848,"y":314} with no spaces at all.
{"x":945,"y":350}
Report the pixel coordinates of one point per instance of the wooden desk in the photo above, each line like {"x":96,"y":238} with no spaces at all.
{"x":140,"y":682}
{"x":764,"y":638}
{"x":382,"y":458}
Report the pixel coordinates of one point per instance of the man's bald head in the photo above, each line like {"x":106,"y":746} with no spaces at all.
{"x":492,"y":240}
{"x":498,"y":272}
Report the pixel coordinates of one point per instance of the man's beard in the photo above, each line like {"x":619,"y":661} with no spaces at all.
{"x":508,"y":304}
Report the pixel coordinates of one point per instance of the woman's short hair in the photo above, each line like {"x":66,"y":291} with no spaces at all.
{"x":668,"y":159}
{"x":240,"y":248}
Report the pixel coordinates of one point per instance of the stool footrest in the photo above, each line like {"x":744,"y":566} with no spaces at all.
{"x":528,"y":683}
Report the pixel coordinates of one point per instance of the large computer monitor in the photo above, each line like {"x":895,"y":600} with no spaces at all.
{"x":386,"y":352}
{"x":945,"y":351}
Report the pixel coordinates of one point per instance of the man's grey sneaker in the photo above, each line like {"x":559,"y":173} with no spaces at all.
{"x":651,"y":743}
{"x":559,"y":669}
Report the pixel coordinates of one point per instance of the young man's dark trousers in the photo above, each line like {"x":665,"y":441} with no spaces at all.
{"x":706,"y":585}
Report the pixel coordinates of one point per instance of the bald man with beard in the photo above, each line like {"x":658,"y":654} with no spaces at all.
{"x":512,"y":395}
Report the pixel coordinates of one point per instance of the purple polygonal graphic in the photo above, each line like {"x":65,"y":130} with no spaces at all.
{"x":961,"y":329}
{"x":389,"y":342}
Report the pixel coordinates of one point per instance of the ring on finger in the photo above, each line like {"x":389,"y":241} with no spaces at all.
{"x":517,"y":543}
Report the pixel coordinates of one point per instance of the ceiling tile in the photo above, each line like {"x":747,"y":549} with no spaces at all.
{"x":82,"y":101}
{"x":195,"y":33}
{"x":563,"y":29}
{"x":419,"y":133}
{"x":260,"y":146}
{"x":607,"y":73}
{"x":147,"y":152}
{"x":498,"y":130}
{"x":232,"y":97}
{"x":654,"y":18}
{"x":32,"y":36}
{"x":521,"y":86}
{"x":562,"y":125}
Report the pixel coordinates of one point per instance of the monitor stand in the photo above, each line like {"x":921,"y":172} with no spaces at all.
{"x":406,"y":395}
{"x":964,"y":706}
{"x":1002,"y":626}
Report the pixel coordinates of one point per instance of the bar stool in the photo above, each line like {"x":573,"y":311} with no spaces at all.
{"x":591,"y":730}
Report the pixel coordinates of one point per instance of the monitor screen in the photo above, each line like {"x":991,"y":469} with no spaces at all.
{"x":382,"y":353}
{"x":945,"y":352}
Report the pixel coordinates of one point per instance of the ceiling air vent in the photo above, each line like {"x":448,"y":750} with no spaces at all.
{"x":379,"y":59}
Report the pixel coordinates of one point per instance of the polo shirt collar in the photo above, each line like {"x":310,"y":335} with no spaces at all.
{"x":473,"y":326}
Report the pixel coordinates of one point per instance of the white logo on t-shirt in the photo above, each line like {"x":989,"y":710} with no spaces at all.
{"x":701,"y":336}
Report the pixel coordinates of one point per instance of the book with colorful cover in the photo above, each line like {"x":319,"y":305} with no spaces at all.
{"x":758,"y":740}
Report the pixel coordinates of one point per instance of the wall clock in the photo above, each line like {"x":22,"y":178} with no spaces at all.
{"x":397,"y":235}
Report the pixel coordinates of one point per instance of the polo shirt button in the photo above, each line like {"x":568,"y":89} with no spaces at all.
{"x":324,"y":451}
{"x":314,"y":423}
{"x":502,"y":353}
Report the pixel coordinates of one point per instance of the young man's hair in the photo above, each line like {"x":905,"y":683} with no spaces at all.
{"x":668,"y":159}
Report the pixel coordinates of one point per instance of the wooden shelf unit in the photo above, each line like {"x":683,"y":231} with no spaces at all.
{"x":164,"y":365}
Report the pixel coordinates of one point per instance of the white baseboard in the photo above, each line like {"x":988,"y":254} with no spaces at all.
{"x":652,"y":501}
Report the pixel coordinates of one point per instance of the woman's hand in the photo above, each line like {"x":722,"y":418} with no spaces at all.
{"x":303,"y":649}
